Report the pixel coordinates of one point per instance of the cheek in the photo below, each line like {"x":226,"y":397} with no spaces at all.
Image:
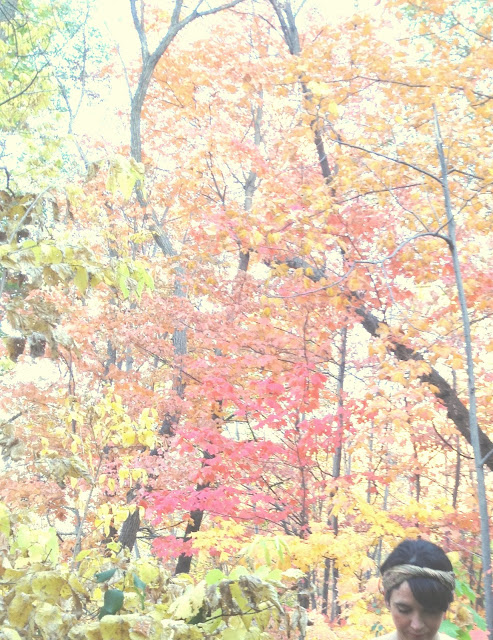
{"x":398,"y":618}
{"x":439,"y":620}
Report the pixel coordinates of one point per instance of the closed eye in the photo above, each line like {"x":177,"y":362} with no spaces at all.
{"x":432,"y":612}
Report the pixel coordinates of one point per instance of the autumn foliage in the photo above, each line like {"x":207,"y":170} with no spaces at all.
{"x":232,"y":337}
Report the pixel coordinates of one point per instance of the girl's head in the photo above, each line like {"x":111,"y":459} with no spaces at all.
{"x":426,"y":569}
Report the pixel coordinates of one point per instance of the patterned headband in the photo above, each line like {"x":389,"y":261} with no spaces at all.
{"x":398,"y":574}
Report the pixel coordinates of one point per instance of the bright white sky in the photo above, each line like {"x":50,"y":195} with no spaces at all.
{"x":118,"y":19}
{"x":116,"y":16}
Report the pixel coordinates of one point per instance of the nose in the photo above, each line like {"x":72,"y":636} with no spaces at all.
{"x":417,"y":623}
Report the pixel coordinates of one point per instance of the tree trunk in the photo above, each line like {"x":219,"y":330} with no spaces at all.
{"x":196,"y":517}
{"x":479,"y":456}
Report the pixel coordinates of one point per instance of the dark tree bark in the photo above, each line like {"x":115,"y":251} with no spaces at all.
{"x":149,"y":62}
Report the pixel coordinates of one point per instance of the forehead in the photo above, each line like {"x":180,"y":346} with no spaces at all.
{"x":403,"y":595}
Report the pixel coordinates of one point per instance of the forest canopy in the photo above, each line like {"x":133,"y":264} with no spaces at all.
{"x":246,"y":293}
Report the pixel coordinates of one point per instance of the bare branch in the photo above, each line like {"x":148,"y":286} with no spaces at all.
{"x":26,"y":88}
{"x":396,"y":160}
{"x":139,"y":27}
{"x":386,"y":190}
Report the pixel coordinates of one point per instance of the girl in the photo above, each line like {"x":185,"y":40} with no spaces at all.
{"x":418,"y":582}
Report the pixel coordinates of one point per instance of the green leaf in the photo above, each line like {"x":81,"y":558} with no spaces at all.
{"x":479,"y":622}
{"x":122,"y":283}
{"x":279,"y":548}
{"x":4,"y":520}
{"x":247,"y":621}
{"x":113,"y":602}
{"x":103,"y":576}
{"x":262,"y":572}
{"x":237,"y":572}
{"x":40,"y":544}
{"x":463,"y":589}
{"x":239,"y":598}
{"x":199,"y":618}
{"x":104,"y":612}
{"x":234,"y":634}
{"x":149,"y":282}
{"x":266,"y":552}
{"x":138,"y":583}
{"x":449,"y":628}
{"x":275,"y":574}
{"x":123,"y":269}
{"x":263,"y":618}
{"x":214,"y":576}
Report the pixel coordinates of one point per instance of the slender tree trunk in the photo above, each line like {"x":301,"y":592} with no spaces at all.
{"x":330,"y":567}
{"x":455,"y":492}
{"x":149,"y":62}
{"x":326,"y":586}
{"x":194,"y":523}
{"x":336,"y":468}
{"x":369,"y":485}
{"x":197,"y":515}
{"x":443,"y":391}
{"x":479,"y":459}
{"x":417,"y":475}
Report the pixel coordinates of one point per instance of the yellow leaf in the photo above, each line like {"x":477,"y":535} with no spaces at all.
{"x":334,"y":109}
{"x":190,"y":602}
{"x":81,"y":279}
{"x":354,"y":283}
{"x":398,"y":376}
{"x":148,"y":572}
{"x":114,"y":628}
{"x":49,"y":620}
{"x":74,"y":581}
{"x":147,"y":438}
{"x":86,"y":631}
{"x":9,"y":634}
{"x":257,"y":237}
{"x":128,"y":437}
{"x":123,"y":474}
{"x":47,"y":586}
{"x":19,"y":610}
{"x":238,"y":633}
{"x":4,"y":520}
{"x":456,"y":363}
{"x":97,"y":594}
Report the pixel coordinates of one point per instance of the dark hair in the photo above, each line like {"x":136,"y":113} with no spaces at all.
{"x":430,"y":593}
